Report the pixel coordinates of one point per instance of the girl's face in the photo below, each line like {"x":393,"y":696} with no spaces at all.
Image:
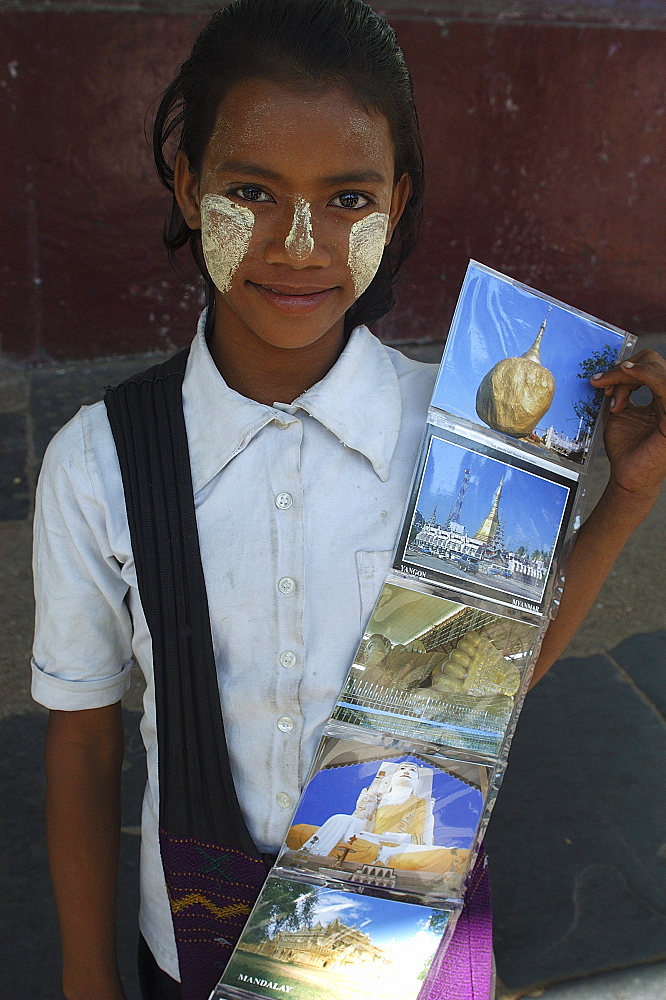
{"x":296,"y":201}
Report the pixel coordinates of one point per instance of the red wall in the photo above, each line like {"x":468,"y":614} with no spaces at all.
{"x":545,"y":160}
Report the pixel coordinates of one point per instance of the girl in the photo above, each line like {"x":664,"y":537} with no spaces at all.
{"x":297,"y":182}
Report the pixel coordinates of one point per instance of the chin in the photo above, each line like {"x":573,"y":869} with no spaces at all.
{"x":291,"y":341}
{"x":297,"y":332}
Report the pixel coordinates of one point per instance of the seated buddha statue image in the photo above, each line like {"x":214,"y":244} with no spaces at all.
{"x":392,"y":825}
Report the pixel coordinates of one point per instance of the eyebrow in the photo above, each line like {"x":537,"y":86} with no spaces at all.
{"x":246,"y":167}
{"x":334,"y":180}
{"x":355,"y":177}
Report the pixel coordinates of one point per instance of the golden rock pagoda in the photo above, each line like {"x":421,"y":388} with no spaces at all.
{"x":517,"y":392}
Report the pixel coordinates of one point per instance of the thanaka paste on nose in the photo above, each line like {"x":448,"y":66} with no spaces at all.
{"x":299,"y":243}
{"x":226,"y":229}
{"x":367,"y":239}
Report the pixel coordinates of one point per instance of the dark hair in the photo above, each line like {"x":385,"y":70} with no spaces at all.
{"x":301,"y":43}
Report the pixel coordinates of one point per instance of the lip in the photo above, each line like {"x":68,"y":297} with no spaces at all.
{"x":293,"y":299}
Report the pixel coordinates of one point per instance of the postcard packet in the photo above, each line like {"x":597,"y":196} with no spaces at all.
{"x":385,"y":817}
{"x":435,"y":668}
{"x":486,"y":521}
{"x":307,"y":941}
{"x":372,"y":874}
{"x":517,"y":365}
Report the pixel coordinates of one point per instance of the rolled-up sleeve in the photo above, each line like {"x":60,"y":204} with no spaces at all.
{"x":82,"y":653}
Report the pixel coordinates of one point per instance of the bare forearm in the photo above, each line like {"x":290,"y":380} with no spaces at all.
{"x":599,"y":542}
{"x":83,"y":762}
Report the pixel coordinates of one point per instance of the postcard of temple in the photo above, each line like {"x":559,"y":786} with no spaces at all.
{"x":485,"y":522}
{"x":437,"y":670}
{"x":519,"y":363}
{"x":312,"y":942}
{"x":404,"y":822}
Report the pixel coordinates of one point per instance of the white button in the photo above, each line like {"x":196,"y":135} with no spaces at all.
{"x":283,"y":501}
{"x":288,"y":659}
{"x":285,"y":724}
{"x":286,"y":585}
{"x":283,"y":800}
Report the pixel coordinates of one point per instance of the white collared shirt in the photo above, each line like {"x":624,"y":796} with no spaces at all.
{"x":298,"y":508}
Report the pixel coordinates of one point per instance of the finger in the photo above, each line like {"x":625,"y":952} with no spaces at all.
{"x":613,"y":376}
{"x":649,"y":370}
{"x":646,"y":368}
{"x":621,"y":397}
{"x":644,"y":356}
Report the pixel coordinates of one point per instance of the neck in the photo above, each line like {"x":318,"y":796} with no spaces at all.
{"x":267,"y":373}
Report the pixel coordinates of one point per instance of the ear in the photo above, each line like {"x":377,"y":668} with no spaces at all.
{"x":186,"y":190}
{"x":401,"y":192}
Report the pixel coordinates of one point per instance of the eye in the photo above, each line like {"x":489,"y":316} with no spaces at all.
{"x":350,"y":199}
{"x":250,"y":192}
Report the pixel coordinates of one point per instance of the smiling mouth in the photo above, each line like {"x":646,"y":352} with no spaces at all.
{"x":293,"y":299}
{"x":292,"y":292}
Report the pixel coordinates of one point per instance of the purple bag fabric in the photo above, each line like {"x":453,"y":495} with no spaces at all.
{"x":211,"y":892}
{"x":465,"y":970}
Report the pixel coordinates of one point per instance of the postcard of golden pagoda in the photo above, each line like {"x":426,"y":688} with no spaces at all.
{"x":517,"y":363}
{"x":485,"y":521}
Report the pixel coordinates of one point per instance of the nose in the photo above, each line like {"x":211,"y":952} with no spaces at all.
{"x":298,"y":248}
{"x":299,"y":242}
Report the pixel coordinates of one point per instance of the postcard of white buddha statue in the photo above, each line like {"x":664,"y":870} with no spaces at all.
{"x":400,"y":821}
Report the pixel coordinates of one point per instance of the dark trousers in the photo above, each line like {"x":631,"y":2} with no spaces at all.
{"x":154,"y":982}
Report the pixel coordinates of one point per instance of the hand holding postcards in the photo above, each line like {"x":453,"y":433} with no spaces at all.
{"x":370,"y":881}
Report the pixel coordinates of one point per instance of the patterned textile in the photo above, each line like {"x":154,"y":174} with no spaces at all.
{"x":211,"y":891}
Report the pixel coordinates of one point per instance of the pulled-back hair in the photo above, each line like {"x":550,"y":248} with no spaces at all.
{"x":298,"y":43}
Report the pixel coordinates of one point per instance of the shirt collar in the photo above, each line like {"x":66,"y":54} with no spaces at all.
{"x":359,"y":401}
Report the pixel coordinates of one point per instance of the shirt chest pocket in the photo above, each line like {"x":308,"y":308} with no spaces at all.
{"x":372,"y":568}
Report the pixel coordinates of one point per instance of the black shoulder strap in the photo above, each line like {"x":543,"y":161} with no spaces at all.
{"x":197,"y":794}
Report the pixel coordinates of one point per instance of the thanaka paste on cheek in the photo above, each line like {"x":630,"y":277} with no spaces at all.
{"x":299,"y":244}
{"x":367,"y":239}
{"x":226,"y":229}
